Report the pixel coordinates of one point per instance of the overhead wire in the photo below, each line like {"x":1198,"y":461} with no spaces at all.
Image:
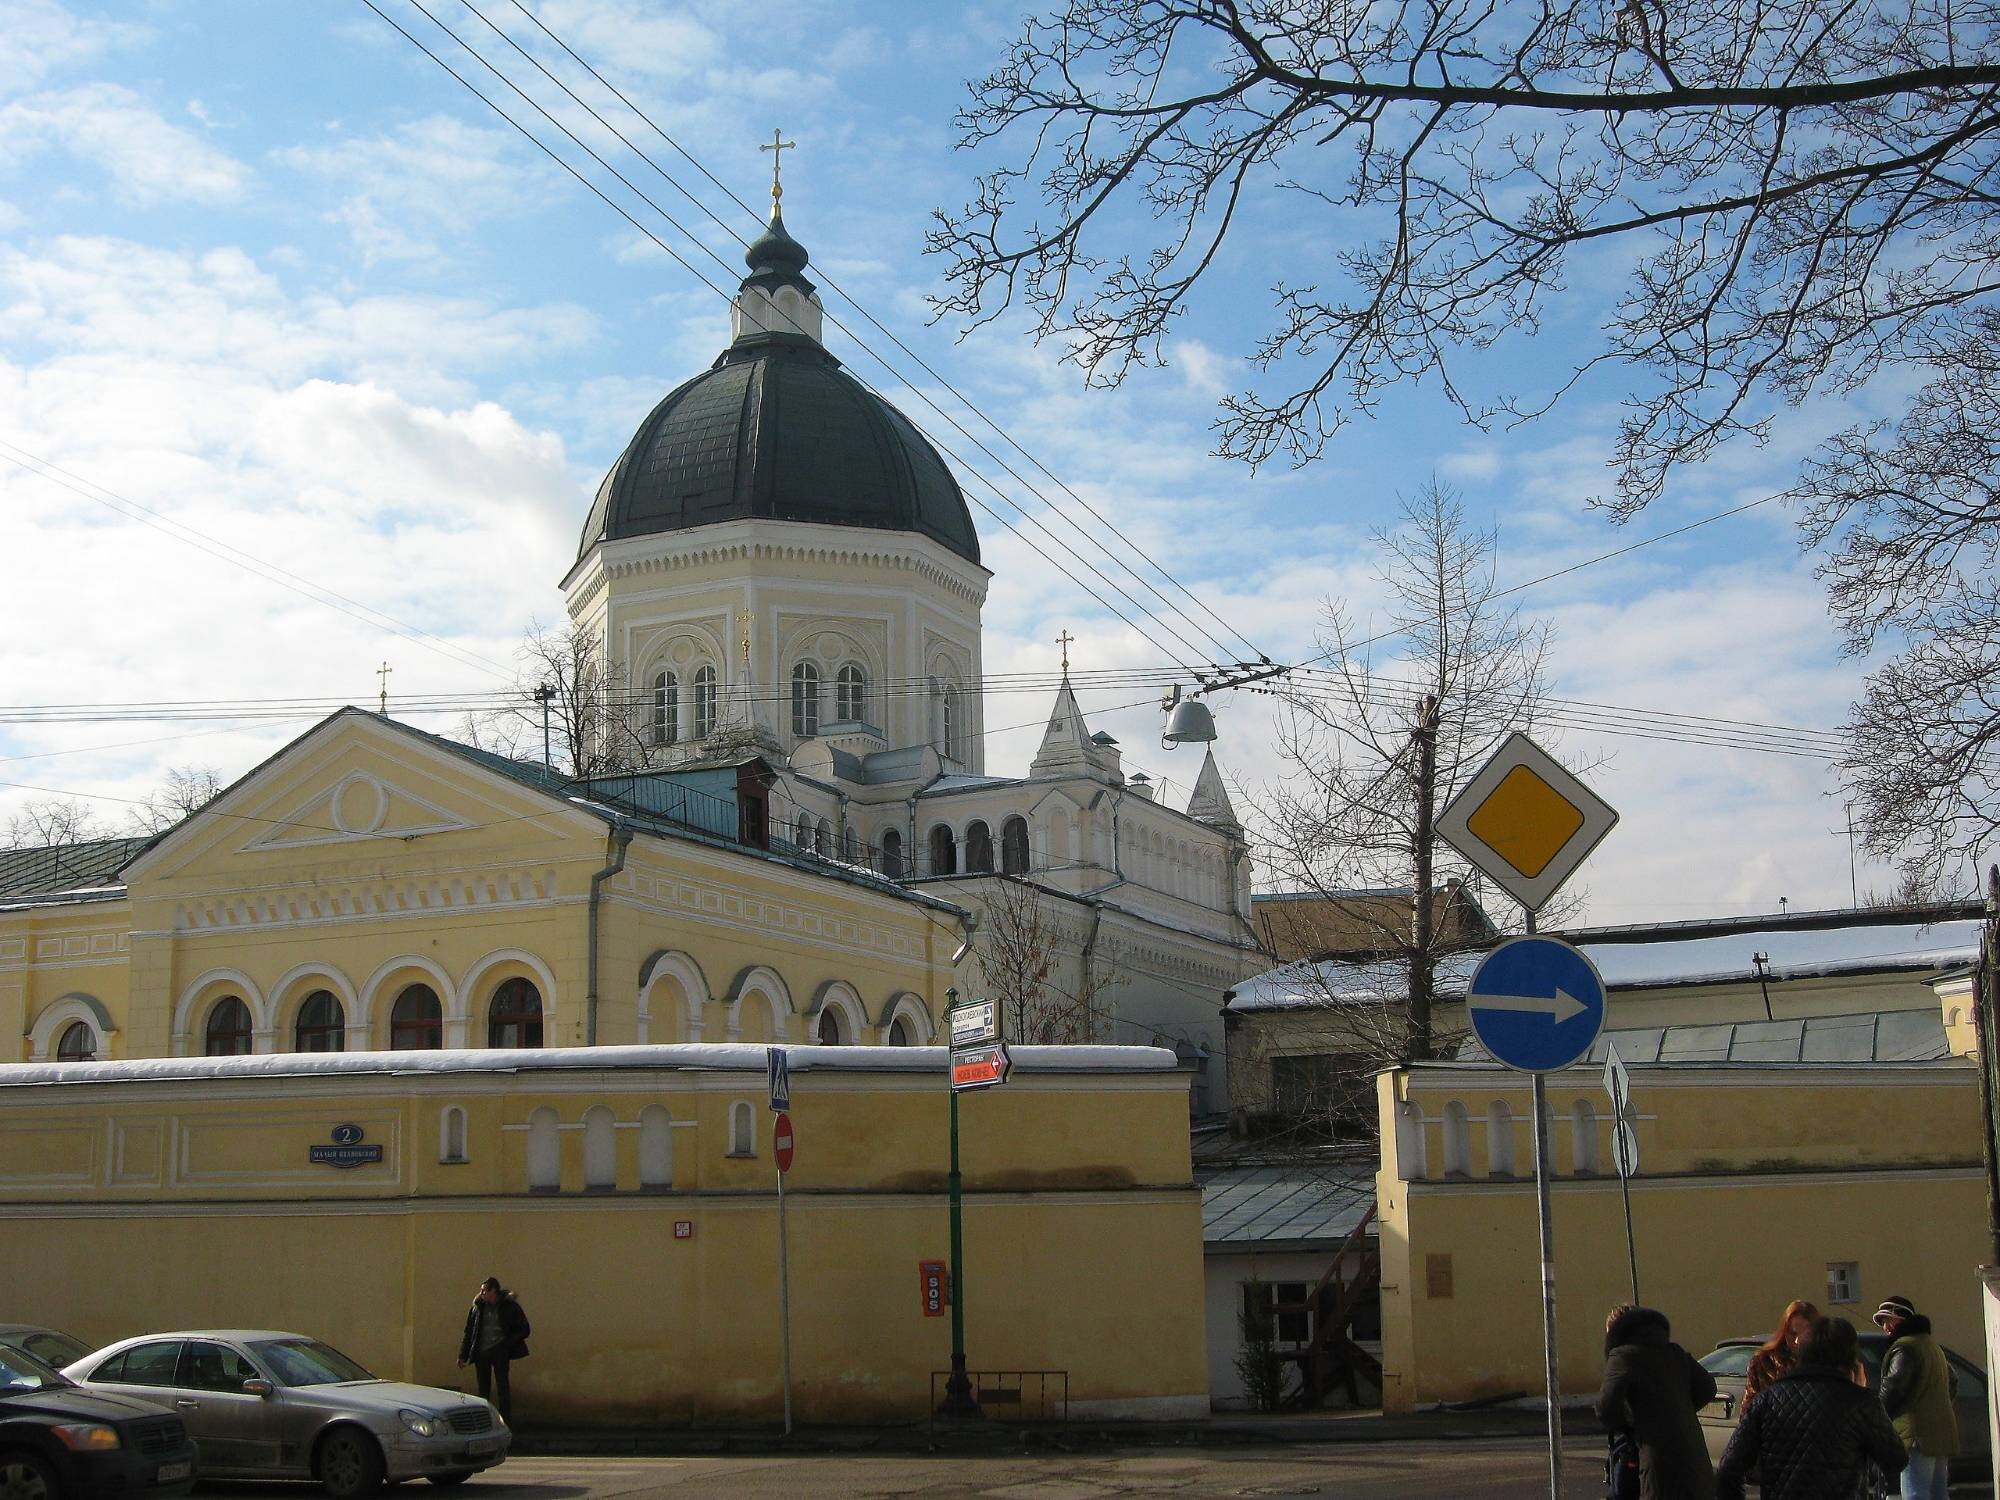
{"x":854,"y":302}
{"x":998,"y":492}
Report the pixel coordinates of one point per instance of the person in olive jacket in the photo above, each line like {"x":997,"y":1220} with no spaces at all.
{"x":1810,"y":1434}
{"x":1917,"y":1382}
{"x":496,"y":1334}
{"x":1652,"y":1389}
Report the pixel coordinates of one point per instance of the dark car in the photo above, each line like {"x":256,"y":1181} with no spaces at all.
{"x":44,"y":1345}
{"x":61,"y":1442}
{"x":1729,"y":1363}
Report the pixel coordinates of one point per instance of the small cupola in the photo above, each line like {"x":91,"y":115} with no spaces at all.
{"x":775,"y":298}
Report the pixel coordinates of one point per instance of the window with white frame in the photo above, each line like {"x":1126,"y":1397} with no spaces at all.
{"x":704,"y":701}
{"x":805,"y":700}
{"x":666,"y":708}
{"x":850,"y":694}
{"x":1843,"y":1281}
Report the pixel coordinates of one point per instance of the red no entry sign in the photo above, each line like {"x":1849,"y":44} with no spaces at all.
{"x":781,"y":1142}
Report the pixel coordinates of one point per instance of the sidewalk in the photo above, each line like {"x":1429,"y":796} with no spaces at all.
{"x":1222,"y":1430}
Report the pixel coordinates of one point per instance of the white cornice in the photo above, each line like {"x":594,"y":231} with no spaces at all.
{"x":765,"y":540}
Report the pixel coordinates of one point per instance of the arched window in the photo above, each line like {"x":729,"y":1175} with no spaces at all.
{"x":544,"y":1151}
{"x":78,"y":1043}
{"x":805,"y":700}
{"x":1583,"y":1138}
{"x":802,"y":833}
{"x":831,"y":1032}
{"x":978,"y":848}
{"x":666,"y":708}
{"x":1499,"y":1140}
{"x":953,"y":723}
{"x":944,"y":851}
{"x":228,"y":1030}
{"x":704,"y":701}
{"x":1412,"y":1158}
{"x":514,"y":1019}
{"x":892,"y":854}
{"x":1457,"y":1141}
{"x":322,"y":1025}
{"x":899,"y":1033}
{"x":600,"y":1149}
{"x":1014,"y":847}
{"x":656,"y":1148}
{"x":823,"y":839}
{"x":451,"y":1134}
{"x":416,"y":1020}
{"x":850,"y":694}
{"x":742,"y":1129}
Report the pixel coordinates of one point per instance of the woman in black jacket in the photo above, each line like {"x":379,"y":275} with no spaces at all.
{"x":1810,"y":1434}
{"x":1652,"y":1390}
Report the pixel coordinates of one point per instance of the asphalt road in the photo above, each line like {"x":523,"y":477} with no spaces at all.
{"x":1500,"y":1469}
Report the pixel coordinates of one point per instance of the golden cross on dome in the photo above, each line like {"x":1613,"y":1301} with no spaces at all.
{"x":383,"y":672}
{"x":1064,"y":640}
{"x":743,"y":619}
{"x":777,"y":146}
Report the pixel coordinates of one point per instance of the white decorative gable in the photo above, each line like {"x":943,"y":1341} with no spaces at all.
{"x":359,"y":806}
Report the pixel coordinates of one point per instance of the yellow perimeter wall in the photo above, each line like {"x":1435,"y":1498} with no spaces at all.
{"x":1753,"y":1182}
{"x":187,"y":1199}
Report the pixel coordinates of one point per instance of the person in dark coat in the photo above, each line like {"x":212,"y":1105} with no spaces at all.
{"x":1652,"y":1390}
{"x":496,"y":1334}
{"x":1810,"y":1434}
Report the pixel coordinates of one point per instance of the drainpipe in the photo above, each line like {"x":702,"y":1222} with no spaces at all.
{"x":621,"y":840}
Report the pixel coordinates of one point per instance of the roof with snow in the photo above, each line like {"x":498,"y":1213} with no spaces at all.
{"x":1283,"y":1205}
{"x":1726,"y":957}
{"x":739,"y":1057}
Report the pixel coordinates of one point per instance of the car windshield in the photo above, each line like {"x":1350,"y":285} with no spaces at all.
{"x":53,"y":1349}
{"x":21,"y":1373}
{"x":308,"y":1362}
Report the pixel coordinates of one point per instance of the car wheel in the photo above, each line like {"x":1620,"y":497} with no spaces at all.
{"x":23,"y":1476}
{"x":350,"y":1463}
{"x":449,"y":1481}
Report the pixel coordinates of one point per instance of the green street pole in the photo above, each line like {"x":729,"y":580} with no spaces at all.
{"x":958,"y":1399}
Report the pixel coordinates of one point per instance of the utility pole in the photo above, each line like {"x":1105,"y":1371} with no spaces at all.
{"x":1425,"y":735}
{"x":1762,"y":961}
{"x":545,"y":695}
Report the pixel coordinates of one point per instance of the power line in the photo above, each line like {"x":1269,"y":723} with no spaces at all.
{"x":852,"y":301}
{"x":643,"y":229}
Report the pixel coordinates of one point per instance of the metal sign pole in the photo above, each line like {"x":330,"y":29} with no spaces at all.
{"x":1545,"y":1222}
{"x":785,"y":1302}
{"x":1618,"y":1106}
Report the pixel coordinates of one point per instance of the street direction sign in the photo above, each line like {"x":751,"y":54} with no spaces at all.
{"x":781,"y":1079}
{"x":1617,"y":1082}
{"x":980,"y":1067}
{"x":1536,"y":1003}
{"x":975,"y":1023}
{"x":782,"y":1142}
{"x":1526,"y":822}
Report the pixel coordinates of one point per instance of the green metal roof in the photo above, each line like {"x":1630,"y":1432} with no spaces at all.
{"x":55,"y":868}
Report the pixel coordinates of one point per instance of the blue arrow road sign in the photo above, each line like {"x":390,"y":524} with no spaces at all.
{"x":1537,"y":1004}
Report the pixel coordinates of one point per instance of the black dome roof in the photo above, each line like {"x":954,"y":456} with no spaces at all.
{"x":776,"y":429}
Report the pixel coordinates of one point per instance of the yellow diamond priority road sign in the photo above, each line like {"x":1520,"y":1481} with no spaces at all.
{"x":1525,"y":821}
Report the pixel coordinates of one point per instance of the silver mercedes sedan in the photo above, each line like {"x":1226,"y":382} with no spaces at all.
{"x":270,"y":1405}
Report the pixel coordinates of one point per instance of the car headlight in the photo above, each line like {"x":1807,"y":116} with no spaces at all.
{"x":421,"y":1423}
{"x":86,"y":1437}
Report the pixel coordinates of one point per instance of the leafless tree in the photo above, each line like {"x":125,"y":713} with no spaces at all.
{"x":1792,"y":197}
{"x":43,"y":822}
{"x":598,"y":723}
{"x":1910,"y":515}
{"x":1049,"y":987}
{"x":1375,"y":745}
{"x":186,"y":791}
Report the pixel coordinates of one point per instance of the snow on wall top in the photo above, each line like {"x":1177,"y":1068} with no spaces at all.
{"x":739,"y":1057}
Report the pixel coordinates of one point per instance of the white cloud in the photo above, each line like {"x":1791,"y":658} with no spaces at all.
{"x":43,"y":38}
{"x":147,"y":159}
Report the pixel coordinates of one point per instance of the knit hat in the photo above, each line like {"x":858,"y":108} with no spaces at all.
{"x":1894,"y":1309}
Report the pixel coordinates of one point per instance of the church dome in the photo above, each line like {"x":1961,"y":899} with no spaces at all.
{"x":777,"y":430}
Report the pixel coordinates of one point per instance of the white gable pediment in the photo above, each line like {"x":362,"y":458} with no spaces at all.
{"x":360,"y":806}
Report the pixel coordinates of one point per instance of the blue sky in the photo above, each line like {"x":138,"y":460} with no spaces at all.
{"x":267,"y":271}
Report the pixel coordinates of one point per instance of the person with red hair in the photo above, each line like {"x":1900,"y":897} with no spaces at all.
{"x":1779,"y":1353}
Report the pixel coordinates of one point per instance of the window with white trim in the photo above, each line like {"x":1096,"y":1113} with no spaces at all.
{"x":704,"y":701}
{"x":850,"y":694}
{"x":805,"y":700}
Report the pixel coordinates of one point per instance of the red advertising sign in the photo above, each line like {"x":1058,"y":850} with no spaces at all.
{"x":931,"y":1279}
{"x":980,"y":1067}
{"x":781,"y":1142}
